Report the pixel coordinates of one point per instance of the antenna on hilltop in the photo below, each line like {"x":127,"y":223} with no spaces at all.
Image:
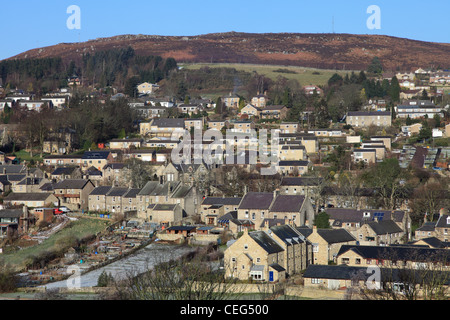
{"x":332,"y":24}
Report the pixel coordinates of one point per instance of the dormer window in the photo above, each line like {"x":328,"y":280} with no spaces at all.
{"x":366,"y":214}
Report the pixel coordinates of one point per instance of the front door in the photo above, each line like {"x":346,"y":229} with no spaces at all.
{"x":271,"y":276}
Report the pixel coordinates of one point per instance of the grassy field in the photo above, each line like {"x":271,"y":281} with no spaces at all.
{"x":305,"y":76}
{"x":76,"y":230}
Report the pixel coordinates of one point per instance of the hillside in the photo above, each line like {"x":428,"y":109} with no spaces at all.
{"x":323,"y":51}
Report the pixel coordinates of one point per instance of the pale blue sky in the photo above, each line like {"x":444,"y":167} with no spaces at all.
{"x":29,"y":24}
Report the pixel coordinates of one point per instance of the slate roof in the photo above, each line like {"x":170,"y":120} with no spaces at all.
{"x":427,"y":226}
{"x":132,"y":193}
{"x":12,"y":169}
{"x":340,"y":272}
{"x":11,"y":213}
{"x":265,"y":242}
{"x":227,"y":217}
{"x":233,"y":201}
{"x":293,"y":163}
{"x":342,"y":215}
{"x":28,"y":196}
{"x":257,"y":200}
{"x":287,"y":203}
{"x":297,"y":181}
{"x":419,"y":254}
{"x":169,"y":123}
{"x":100,"y":191}
{"x":95,"y":155}
{"x":71,"y":184}
{"x":287,"y":234}
{"x":443,"y":221}
{"x":433,"y":242}
{"x":335,"y":235}
{"x":384,"y":227}
{"x":117,"y":191}
{"x":63,"y":170}
{"x":164,"y":207}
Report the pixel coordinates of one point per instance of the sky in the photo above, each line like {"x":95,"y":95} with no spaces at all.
{"x":29,"y":24}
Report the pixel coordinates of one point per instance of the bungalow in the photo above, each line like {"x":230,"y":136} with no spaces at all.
{"x":125,"y":143}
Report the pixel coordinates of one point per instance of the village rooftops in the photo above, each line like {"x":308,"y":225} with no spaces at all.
{"x":287,"y":203}
{"x":257,"y":200}
{"x":266,"y":242}
{"x":94,"y":155}
{"x":71,"y":184}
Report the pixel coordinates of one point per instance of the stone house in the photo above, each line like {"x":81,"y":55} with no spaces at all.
{"x":251,"y":110}
{"x":174,"y":192}
{"x":364,"y":119}
{"x":62,"y":173}
{"x":294,"y":209}
{"x":276,"y":112}
{"x":366,"y":156}
{"x":255,"y":206}
{"x":382,"y":232}
{"x":353,"y":219}
{"x":439,"y":229}
{"x":97,"y":159}
{"x":326,"y":242}
{"x":165,"y":214}
{"x":293,"y":167}
{"x":212,"y":208}
{"x":97,"y":198}
{"x":255,"y":255}
{"x":74,"y":193}
{"x":406,"y":256}
{"x":267,"y":255}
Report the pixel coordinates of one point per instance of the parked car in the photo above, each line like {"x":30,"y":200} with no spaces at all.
{"x":57,"y":211}
{"x":64,"y":209}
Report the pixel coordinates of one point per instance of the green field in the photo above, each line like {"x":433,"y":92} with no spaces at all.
{"x":305,"y":76}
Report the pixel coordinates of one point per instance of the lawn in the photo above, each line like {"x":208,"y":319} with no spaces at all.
{"x":23,"y":155}
{"x":75,"y":230}
{"x":305,"y":76}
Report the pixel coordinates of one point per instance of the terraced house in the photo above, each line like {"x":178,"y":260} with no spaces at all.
{"x":73,"y":193}
{"x":267,"y":255}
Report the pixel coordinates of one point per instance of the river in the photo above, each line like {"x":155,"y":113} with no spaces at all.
{"x":138,"y":262}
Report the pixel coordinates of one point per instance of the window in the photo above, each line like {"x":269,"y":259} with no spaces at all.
{"x":315,"y":247}
{"x":245,"y":246}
